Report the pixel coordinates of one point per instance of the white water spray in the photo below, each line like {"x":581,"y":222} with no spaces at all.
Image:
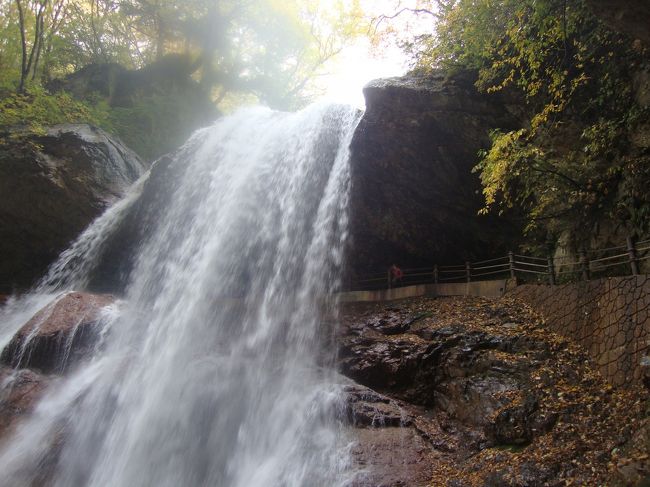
{"x":212,"y":372}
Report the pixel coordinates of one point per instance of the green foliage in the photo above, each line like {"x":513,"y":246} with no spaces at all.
{"x":232,"y":52}
{"x":269,"y":48}
{"x":157,"y":124}
{"x":572,"y":167}
{"x":152,"y":126}
{"x":35,"y":109}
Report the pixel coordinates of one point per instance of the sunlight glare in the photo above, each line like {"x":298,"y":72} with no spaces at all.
{"x":355,"y":67}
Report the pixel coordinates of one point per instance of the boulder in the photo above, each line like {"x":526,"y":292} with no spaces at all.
{"x":415,"y":199}
{"x":365,"y":407}
{"x":59,"y":335}
{"x":53,"y":186}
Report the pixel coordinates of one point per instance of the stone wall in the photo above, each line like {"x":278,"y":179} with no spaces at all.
{"x":487,"y":289}
{"x":609,"y":317}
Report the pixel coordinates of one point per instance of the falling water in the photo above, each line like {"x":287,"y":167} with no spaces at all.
{"x":211,"y":372}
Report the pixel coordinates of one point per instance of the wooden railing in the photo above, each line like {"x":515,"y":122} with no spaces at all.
{"x":613,"y":261}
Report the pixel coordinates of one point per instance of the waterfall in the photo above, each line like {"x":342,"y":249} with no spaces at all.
{"x":212,"y":370}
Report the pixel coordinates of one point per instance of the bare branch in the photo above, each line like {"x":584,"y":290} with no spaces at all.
{"x":417,"y":11}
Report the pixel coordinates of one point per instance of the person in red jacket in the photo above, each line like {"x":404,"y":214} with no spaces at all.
{"x":396,"y":275}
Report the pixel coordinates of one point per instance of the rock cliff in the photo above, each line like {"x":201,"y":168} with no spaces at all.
{"x":415,"y":200}
{"x":631,"y":17}
{"x":53,"y":186}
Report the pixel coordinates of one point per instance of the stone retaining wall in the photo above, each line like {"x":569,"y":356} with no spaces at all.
{"x":488,"y":289}
{"x":609,"y":317}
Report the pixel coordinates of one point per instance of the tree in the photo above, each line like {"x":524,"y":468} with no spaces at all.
{"x":45,"y":17}
{"x":571,"y":168}
{"x":268,"y":48}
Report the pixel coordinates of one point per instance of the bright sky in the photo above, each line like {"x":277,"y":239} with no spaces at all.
{"x":356,"y":66}
{"x":359,"y":63}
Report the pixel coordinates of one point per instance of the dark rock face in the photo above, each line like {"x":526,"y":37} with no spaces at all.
{"x":389,"y":448}
{"x":115,"y":263}
{"x":366,"y":407}
{"x":53,"y":186}
{"x":59,"y":335}
{"x":415,"y":199}
{"x":631,"y":17}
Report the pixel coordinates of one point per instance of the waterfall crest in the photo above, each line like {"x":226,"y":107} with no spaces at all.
{"x":211,"y":371}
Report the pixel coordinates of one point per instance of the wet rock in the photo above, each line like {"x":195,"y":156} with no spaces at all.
{"x":19,"y":392}
{"x":493,"y":399}
{"x":474,"y":400}
{"x":388,"y":448}
{"x":365,"y":407}
{"x":384,"y":366}
{"x":391,"y":457}
{"x":464,"y":373}
{"x":59,"y":335}
{"x":54,"y":186}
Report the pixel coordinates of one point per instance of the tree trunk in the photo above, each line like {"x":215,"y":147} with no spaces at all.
{"x":23,"y":44}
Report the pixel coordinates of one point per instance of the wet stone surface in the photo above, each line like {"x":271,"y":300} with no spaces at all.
{"x":19,"y":393}
{"x":59,"y":335}
{"x":472,"y":392}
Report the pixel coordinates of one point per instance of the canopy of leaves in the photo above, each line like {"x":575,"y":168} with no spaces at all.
{"x":268,"y":51}
{"x":271,"y":48}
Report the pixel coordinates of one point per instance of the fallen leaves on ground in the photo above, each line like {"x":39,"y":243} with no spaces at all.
{"x":601,"y":436}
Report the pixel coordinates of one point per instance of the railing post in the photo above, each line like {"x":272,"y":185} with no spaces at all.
{"x":388,"y":279}
{"x":468,"y":271}
{"x":511,"y":258}
{"x":584,"y":261}
{"x":631,"y":250}
{"x":551,"y":271}
{"x":435,"y":274}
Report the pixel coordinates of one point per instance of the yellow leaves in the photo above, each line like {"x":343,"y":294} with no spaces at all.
{"x":570,"y":72}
